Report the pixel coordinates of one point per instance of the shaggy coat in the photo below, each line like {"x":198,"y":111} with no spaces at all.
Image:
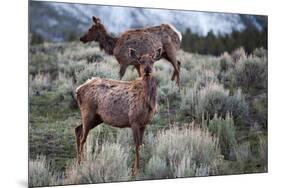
{"x":164,"y":36}
{"x":119,"y":104}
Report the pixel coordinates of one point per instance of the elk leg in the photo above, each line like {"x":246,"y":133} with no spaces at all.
{"x":141,"y":135}
{"x":78,"y":131}
{"x":174,"y":74}
{"x":89,"y":122}
{"x":171,"y":56}
{"x":136,"y":135}
{"x":138,"y":69}
{"x":122,"y":70}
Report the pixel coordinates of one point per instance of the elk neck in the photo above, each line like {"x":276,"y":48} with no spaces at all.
{"x":107,"y":43}
{"x":150,"y":90}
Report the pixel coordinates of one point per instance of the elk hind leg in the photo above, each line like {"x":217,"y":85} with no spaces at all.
{"x":174,"y":74}
{"x":171,"y":56}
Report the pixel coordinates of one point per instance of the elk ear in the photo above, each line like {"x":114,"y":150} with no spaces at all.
{"x":157,"y":54}
{"x":96,"y":20}
{"x":133,"y":53}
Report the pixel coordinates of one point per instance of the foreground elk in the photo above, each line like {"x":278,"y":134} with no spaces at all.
{"x":118,"y":103}
{"x":164,"y":35}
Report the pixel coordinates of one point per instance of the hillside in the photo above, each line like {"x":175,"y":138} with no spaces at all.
{"x":59,"y":19}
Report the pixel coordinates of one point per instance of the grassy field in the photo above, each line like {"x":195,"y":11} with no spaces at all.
{"x":215,"y":125}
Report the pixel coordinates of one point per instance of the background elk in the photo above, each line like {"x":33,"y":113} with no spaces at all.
{"x":164,"y":35}
{"x":118,"y":103}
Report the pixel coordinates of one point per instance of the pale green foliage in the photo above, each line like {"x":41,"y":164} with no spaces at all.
{"x":263,"y":151}
{"x":246,"y":72}
{"x":183,"y":152}
{"x":156,"y":168}
{"x":96,"y":70}
{"x":213,"y":99}
{"x":107,"y":164}
{"x":125,"y":137}
{"x":251,"y":74}
{"x":163,"y":71}
{"x":260,"y":52}
{"x":39,"y":82}
{"x":225,"y":131}
{"x":243,"y":152}
{"x":225,"y":61}
{"x":239,"y":55}
{"x":63,"y":83}
{"x":40,"y":173}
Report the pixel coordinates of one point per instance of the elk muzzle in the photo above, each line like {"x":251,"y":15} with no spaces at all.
{"x":83,"y":39}
{"x":147,"y":70}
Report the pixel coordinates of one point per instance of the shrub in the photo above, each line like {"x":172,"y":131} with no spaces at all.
{"x":71,"y":67}
{"x":156,"y":168}
{"x":259,"y":110}
{"x":251,"y":75}
{"x":243,"y":152}
{"x":107,"y":164}
{"x":263,"y":151}
{"x":169,"y":92}
{"x":205,"y":78}
{"x":125,"y":137}
{"x":130,"y":74}
{"x":163,"y":72}
{"x":43,"y":62}
{"x":239,"y":55}
{"x":40,"y":173}
{"x":90,"y":54}
{"x":40,"y":82}
{"x":182,"y":153}
{"x":96,"y":70}
{"x":225,"y":62}
{"x":260,"y":52}
{"x":214,"y":99}
{"x":225,"y":131}
{"x":64,"y":84}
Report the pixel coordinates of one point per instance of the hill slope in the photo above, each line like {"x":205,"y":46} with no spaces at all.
{"x":57,"y":21}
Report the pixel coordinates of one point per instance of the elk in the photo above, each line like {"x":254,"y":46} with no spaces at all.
{"x":166,"y":35}
{"x":122,"y":104}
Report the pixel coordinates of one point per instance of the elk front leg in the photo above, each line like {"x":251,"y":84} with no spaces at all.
{"x":89,"y":122}
{"x":138,"y":69}
{"x":122,"y":70}
{"x":141,"y":135}
{"x":137,"y":140}
{"x":78,"y":131}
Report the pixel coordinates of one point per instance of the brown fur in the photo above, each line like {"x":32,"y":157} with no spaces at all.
{"x":146,"y":39}
{"x":119,"y":104}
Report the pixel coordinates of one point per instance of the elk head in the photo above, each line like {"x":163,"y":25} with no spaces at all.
{"x":95,"y":32}
{"x":145,"y":61}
